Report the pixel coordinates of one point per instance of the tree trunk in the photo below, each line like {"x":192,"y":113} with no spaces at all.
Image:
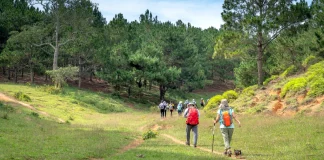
{"x":4,"y":71}
{"x":9,"y":73}
{"x":56,"y":50}
{"x":129,"y":91}
{"x":31,"y":73}
{"x":80,"y":71}
{"x":22,"y":73}
{"x":16,"y":75}
{"x":162,"y":91}
{"x":260,"y":59}
{"x":90,"y":78}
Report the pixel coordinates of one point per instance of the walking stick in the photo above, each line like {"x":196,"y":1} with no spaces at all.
{"x":213,"y":136}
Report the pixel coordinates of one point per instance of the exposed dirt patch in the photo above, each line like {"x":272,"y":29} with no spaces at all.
{"x":276,"y":107}
{"x":132,"y":145}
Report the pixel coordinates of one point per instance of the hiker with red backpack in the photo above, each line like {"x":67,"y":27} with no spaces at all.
{"x":225,"y":116}
{"x":192,"y":115}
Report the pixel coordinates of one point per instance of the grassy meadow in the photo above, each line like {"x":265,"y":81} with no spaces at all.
{"x":101,"y":126}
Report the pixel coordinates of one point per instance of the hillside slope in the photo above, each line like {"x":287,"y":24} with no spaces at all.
{"x":286,"y":95}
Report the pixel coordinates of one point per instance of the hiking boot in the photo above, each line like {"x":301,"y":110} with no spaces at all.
{"x":195,"y":146}
{"x":188,"y":144}
{"x":225,"y":152}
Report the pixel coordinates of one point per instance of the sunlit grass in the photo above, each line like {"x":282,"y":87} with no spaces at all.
{"x":264,"y":137}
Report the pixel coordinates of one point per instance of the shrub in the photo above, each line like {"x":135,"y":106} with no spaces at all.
{"x":316,"y":87}
{"x":230,"y":95}
{"x":293,"y":86}
{"x":149,"y":134}
{"x":289,"y":71}
{"x":22,"y":97}
{"x":249,"y":91}
{"x":213,"y":102}
{"x":315,"y":71}
{"x":59,"y":76}
{"x":310,"y":60}
{"x":35,"y":114}
{"x":273,"y":77}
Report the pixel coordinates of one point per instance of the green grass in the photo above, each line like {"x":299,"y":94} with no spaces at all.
{"x":101,"y":134}
{"x":71,"y":104}
{"x":264,"y":137}
{"x":26,"y":136}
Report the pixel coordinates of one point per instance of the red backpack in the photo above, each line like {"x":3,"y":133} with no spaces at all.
{"x":192,"y":118}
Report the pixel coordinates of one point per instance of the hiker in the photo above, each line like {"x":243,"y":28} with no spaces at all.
{"x":161,"y":107}
{"x":171,"y":107}
{"x":165,"y":108}
{"x":186,"y":103}
{"x":193,"y":101}
{"x":179,"y":108}
{"x":192,"y":115}
{"x":225,"y":116}
{"x":202,"y":102}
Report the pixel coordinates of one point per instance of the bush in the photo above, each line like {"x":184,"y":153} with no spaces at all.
{"x":293,"y":86}
{"x":149,"y":134}
{"x":289,"y":71}
{"x":59,"y":76}
{"x":310,"y":60}
{"x":230,"y":95}
{"x":249,"y":91}
{"x":22,"y":97}
{"x":273,"y":77}
{"x":35,"y":114}
{"x":316,"y":87}
{"x":213,"y":102}
{"x":315,"y":71}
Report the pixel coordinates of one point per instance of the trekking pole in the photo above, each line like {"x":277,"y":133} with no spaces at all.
{"x":213,"y":136}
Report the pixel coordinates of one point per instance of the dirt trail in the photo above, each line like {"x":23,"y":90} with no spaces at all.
{"x":6,"y":98}
{"x":201,"y":148}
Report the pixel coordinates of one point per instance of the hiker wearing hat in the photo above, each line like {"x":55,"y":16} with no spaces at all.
{"x":192,"y":115}
{"x":202,"y":102}
{"x":225,"y":116}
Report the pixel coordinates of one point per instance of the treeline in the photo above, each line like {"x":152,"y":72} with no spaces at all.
{"x":259,"y":39}
{"x":271,"y":37}
{"x":132,"y":56}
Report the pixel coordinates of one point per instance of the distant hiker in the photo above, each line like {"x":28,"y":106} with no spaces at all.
{"x":225,"y":116}
{"x":186,"y":103}
{"x":171,"y":107}
{"x":192,"y":115}
{"x":165,"y":108}
{"x":179,"y":108}
{"x":202,"y":102}
{"x":161,"y":107}
{"x":193,"y":101}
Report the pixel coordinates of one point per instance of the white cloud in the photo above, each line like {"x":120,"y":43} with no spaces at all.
{"x":202,"y":13}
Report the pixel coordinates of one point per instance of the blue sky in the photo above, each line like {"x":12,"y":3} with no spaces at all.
{"x":200,"y":13}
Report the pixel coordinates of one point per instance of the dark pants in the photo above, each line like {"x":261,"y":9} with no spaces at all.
{"x":165,"y":110}
{"x":162,"y":113}
{"x":171,"y":112}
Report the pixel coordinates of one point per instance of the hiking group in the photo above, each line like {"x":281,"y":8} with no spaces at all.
{"x":164,"y":106}
{"x":225,"y":116}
